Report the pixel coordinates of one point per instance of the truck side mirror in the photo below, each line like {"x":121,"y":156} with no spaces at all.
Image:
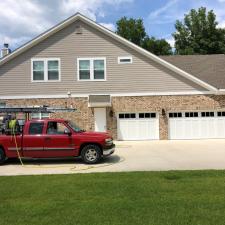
{"x":68,"y":132}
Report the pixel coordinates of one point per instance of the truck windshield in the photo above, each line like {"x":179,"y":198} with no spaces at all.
{"x":74,"y":126}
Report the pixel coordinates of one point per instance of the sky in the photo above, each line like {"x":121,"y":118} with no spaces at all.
{"x":22,"y":20}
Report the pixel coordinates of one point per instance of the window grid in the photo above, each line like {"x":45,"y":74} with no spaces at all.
{"x":207,"y":114}
{"x":191,"y":114}
{"x":146,"y":115}
{"x":91,"y":69}
{"x":46,"y":69}
{"x":175,"y":114}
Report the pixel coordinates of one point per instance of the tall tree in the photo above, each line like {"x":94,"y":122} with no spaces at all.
{"x":131,"y":29}
{"x":198,"y":34}
{"x":134,"y":31}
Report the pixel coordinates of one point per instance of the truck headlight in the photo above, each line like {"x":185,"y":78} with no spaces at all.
{"x":108,"y":141}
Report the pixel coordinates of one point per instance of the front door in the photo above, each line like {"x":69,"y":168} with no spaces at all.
{"x":100,"y":119}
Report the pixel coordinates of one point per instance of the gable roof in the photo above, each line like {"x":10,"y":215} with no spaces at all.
{"x":209,"y":68}
{"x":108,"y":32}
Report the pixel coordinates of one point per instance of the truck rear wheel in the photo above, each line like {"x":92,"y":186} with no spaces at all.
{"x":91,"y":154}
{"x":2,"y":156}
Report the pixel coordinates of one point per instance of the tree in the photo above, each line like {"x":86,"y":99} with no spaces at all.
{"x":198,"y":34}
{"x":134,"y":31}
{"x":131,"y":29}
{"x":157,"y":46}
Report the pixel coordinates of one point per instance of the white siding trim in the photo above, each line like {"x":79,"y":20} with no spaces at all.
{"x":112,"y":95}
{"x":111,"y":34}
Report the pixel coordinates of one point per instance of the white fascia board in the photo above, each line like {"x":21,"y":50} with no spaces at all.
{"x":113,"y":35}
{"x":112,"y":95}
{"x":221,"y":91}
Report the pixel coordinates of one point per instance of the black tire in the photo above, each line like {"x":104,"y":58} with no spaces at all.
{"x":91,"y":154}
{"x":2,"y":156}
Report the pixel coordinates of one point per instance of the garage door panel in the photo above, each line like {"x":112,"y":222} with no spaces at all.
{"x":197,"y":127}
{"x":138,"y":129}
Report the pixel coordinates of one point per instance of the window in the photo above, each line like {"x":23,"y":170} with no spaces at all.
{"x":127,"y":115}
{"x":44,"y":70}
{"x":221,"y":114}
{"x":38,"y":70}
{"x":191,"y":114}
{"x":147,"y":115}
{"x":53,"y":70}
{"x":84,"y":70}
{"x":125,"y":60}
{"x":56,"y":128}
{"x":36,"y":128}
{"x":39,"y":115}
{"x":91,"y":69}
{"x":207,"y":114}
{"x":175,"y":115}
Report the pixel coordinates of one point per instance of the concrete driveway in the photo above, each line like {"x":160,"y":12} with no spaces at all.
{"x":134,"y":156}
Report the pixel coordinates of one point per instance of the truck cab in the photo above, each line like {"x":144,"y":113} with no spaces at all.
{"x":55,"y":138}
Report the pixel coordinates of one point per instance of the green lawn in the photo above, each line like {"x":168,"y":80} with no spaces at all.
{"x":189,"y":197}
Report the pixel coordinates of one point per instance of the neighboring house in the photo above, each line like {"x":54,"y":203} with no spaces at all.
{"x":116,"y":85}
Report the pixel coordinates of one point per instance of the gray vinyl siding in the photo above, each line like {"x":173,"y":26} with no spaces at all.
{"x":143,"y":75}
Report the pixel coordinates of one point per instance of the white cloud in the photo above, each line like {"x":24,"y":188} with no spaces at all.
{"x":90,"y":8}
{"x":171,"y":41}
{"x":109,"y":26}
{"x":21,"y":20}
{"x":166,"y":14}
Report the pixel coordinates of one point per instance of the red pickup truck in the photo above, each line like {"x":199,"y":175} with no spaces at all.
{"x":53,"y":138}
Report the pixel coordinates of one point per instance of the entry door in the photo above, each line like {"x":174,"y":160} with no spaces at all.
{"x":100,"y":119}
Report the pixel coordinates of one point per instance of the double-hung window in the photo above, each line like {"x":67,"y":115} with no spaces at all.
{"x":45,"y":69}
{"x":93,"y":69}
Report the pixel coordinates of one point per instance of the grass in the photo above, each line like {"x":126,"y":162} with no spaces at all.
{"x":157,"y":198}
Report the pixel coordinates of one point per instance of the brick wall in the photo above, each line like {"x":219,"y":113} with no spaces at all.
{"x":84,"y":116}
{"x":169,"y":103}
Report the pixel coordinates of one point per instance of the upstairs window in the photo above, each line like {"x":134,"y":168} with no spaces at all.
{"x":93,"y":69}
{"x":44,"y":70}
{"x":125,"y":60}
{"x":38,"y":70}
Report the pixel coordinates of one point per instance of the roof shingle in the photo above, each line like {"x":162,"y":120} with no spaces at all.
{"x":208,"y":68}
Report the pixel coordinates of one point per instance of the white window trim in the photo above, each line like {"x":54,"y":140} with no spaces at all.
{"x":45,"y":60}
{"x":125,"y":57}
{"x":91,"y":69}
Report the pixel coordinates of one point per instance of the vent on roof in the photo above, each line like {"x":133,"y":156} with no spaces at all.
{"x":78,"y":29}
{"x":5,"y":50}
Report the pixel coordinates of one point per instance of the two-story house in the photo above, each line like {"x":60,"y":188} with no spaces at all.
{"x":116,"y":85}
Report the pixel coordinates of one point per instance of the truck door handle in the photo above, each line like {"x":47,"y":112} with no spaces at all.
{"x":47,"y":138}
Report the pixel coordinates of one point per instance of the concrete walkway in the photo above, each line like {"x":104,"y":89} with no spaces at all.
{"x":134,"y":156}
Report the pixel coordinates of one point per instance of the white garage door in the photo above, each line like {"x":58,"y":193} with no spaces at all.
{"x":196,"y":125}
{"x":138,"y":126}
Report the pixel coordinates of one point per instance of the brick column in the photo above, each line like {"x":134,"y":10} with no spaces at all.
{"x":163,"y":127}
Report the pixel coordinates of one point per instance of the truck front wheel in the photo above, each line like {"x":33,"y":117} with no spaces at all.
{"x":2,"y":156}
{"x":91,"y":154}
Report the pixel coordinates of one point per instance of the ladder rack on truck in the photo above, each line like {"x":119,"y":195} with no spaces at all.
{"x":27,"y":110}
